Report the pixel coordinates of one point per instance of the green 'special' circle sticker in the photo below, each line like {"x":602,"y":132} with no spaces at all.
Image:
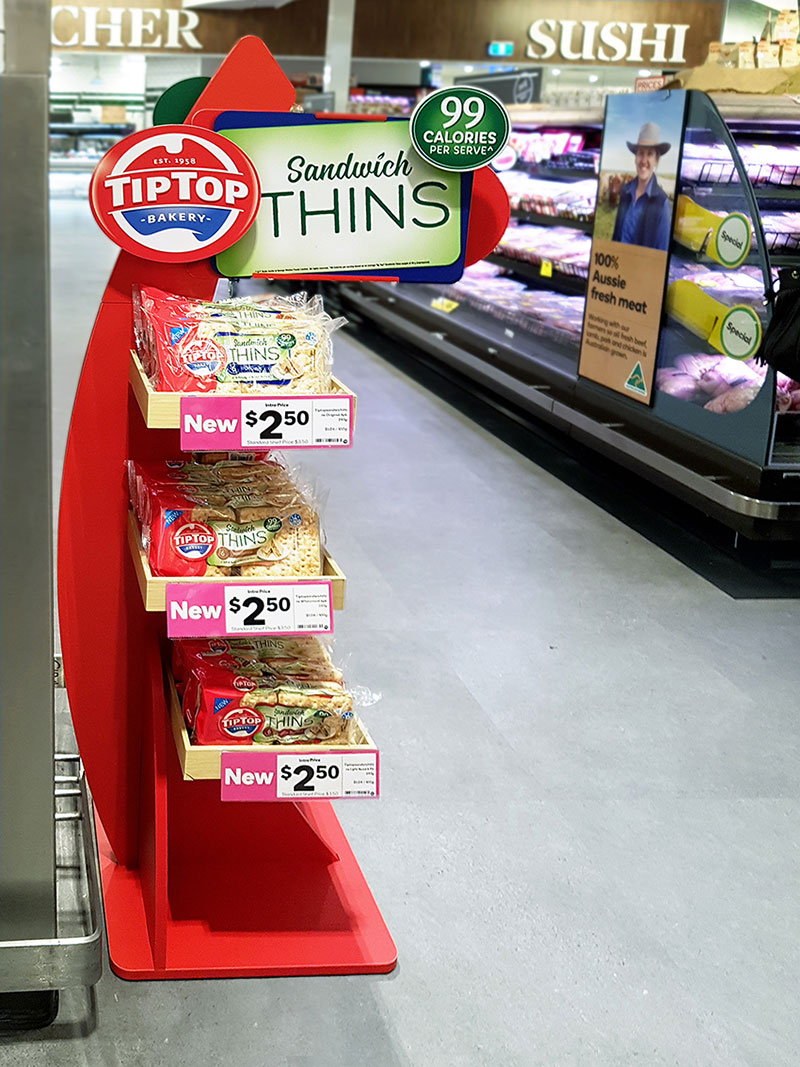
{"x":732,"y":239}
{"x":740,"y":332}
{"x":459,"y":129}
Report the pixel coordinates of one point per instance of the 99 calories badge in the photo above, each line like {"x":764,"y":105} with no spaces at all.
{"x":175,"y":194}
{"x":459,"y":129}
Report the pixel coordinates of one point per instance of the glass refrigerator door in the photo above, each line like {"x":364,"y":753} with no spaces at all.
{"x":707,"y":379}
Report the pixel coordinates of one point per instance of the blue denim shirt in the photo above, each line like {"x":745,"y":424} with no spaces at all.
{"x":645,"y":221}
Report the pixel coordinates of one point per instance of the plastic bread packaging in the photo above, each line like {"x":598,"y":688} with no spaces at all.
{"x":213,"y":469}
{"x":276,"y":345}
{"x":259,"y":534}
{"x":218,"y":484}
{"x":304,"y":658}
{"x":225,"y":707}
{"x":251,"y":520}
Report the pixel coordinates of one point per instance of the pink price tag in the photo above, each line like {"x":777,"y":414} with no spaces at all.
{"x":224,"y":423}
{"x":335,"y":774}
{"x":215,"y":609}
{"x":210,"y":423}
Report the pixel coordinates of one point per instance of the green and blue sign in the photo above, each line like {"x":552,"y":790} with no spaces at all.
{"x":345,"y":197}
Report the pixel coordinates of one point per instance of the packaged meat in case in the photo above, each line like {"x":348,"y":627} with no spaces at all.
{"x":718,"y":383}
{"x":233,"y":518}
{"x":279,"y":345}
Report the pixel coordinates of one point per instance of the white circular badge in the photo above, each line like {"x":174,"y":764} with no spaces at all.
{"x":740,"y":332}
{"x":733,"y":240}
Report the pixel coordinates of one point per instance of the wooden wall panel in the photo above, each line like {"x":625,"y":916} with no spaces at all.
{"x":416,"y":29}
{"x":458,"y":29}
{"x":297,"y":29}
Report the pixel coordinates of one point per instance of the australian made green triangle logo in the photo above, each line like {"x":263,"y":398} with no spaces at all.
{"x":636,"y":381}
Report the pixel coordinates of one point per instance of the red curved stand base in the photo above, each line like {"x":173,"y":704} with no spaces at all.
{"x":235,"y":890}
{"x":311,"y":920}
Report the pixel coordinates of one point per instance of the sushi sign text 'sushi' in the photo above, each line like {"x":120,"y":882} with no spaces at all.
{"x":645,"y":32}
{"x":613,"y":42}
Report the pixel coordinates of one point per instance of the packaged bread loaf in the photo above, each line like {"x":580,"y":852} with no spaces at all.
{"x":304,"y":658}
{"x":227,"y":469}
{"x":226,"y":519}
{"x":233,"y":346}
{"x":223,"y":707}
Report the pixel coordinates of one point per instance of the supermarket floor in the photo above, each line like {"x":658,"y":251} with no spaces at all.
{"x":586,"y":849}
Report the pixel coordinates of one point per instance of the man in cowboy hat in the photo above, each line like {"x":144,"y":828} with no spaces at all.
{"x":644,"y":214}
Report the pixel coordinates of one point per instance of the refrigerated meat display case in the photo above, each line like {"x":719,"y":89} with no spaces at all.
{"x":720,"y":433}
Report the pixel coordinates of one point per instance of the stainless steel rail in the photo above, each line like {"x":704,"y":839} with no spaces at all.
{"x":59,"y":962}
{"x":36,"y":812}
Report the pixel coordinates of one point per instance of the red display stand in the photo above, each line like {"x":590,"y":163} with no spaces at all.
{"x":193,"y":887}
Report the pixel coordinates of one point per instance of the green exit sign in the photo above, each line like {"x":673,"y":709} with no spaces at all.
{"x":499,"y":49}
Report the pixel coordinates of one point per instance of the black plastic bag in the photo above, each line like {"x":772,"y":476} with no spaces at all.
{"x":780,"y":346}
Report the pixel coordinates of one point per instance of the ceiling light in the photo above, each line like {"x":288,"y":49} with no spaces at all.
{"x":555,"y":71}
{"x":593,"y":78}
{"x":645,"y":73}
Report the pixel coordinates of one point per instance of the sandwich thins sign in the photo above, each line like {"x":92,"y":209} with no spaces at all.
{"x":345,"y":197}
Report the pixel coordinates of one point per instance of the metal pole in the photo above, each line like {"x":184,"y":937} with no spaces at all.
{"x":27,"y":852}
{"x":339,"y":51}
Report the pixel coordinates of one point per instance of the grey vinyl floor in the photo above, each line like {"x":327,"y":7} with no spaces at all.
{"x":587,"y":847}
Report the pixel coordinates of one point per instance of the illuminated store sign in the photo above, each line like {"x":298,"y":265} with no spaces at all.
{"x":76,"y":26}
{"x":613,"y":42}
{"x":628,"y":31}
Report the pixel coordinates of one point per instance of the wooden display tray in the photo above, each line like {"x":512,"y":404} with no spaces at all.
{"x":162,"y":411}
{"x":154,"y":590}
{"x":199,"y":762}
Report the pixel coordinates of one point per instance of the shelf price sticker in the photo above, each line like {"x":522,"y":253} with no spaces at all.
{"x":196,"y":609}
{"x":222,"y":423}
{"x":442,"y":303}
{"x":271,"y":776}
{"x":546,"y":269}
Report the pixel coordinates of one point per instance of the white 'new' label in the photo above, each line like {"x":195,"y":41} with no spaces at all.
{"x":296,"y":422}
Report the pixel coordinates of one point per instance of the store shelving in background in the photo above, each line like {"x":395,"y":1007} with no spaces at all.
{"x":513,"y":322}
{"x":396,"y":102}
{"x":79,"y":146}
{"x":75,"y":149}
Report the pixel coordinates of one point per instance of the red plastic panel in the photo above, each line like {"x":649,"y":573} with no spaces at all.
{"x":488,"y":216}
{"x":248,"y":79}
{"x":110,"y":645}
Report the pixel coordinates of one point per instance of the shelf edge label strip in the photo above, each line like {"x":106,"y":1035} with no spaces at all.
{"x":340,"y":773}
{"x":229,"y":423}
{"x":215,"y":609}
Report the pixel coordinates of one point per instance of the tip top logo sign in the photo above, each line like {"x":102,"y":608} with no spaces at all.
{"x":175,"y":194}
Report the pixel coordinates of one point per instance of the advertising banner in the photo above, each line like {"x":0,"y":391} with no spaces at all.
{"x":345,"y":197}
{"x":639,"y":167}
